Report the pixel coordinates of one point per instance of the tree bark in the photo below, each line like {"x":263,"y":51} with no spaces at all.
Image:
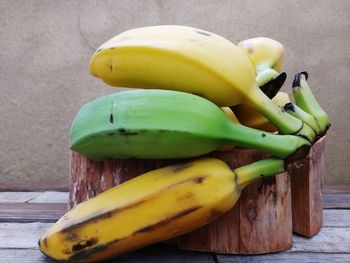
{"x":307,"y":198}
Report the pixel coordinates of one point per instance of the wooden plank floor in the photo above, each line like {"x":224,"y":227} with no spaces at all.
{"x":25,"y":215}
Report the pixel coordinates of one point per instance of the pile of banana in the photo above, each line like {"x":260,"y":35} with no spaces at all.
{"x":194,"y":92}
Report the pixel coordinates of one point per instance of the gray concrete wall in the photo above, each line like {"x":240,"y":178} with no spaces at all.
{"x":45,"y":48}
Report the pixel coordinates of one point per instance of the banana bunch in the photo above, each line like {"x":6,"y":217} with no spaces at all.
{"x":149,"y":208}
{"x":249,"y":117}
{"x":183,"y":75}
{"x":266,"y":55}
{"x":190,"y":60}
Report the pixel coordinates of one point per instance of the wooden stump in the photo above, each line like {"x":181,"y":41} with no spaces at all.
{"x":260,"y":222}
{"x":307,"y":198}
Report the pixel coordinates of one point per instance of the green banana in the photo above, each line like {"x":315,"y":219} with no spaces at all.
{"x":165,"y":124}
{"x":299,"y":113}
{"x":305,"y":99}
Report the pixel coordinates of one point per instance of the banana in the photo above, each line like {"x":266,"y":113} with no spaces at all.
{"x":149,"y":208}
{"x":305,"y":99}
{"x":232,"y":117}
{"x":267,"y":56}
{"x":190,"y":60}
{"x":160,"y":124}
{"x":302,"y":115}
{"x":249,"y":117}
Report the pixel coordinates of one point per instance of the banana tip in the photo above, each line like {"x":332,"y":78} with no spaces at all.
{"x":297,"y":78}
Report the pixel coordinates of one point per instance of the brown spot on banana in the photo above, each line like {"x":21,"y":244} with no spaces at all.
{"x":72,"y":236}
{"x":188,"y":197}
{"x":83,"y":244}
{"x":199,"y":179}
{"x":85,"y":253}
{"x":167,"y":220}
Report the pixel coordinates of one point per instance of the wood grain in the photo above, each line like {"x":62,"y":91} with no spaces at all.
{"x":154,"y":254}
{"x":31,"y":212}
{"x":51,"y":197}
{"x":21,"y":235}
{"x":307,"y":183}
{"x":32,"y":187}
{"x":34,"y":197}
{"x":17,"y":197}
{"x":287,"y":257}
{"x":338,"y":201}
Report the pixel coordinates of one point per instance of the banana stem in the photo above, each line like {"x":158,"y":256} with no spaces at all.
{"x":299,"y":113}
{"x":281,"y":146}
{"x":254,"y":171}
{"x":265,"y":75}
{"x":306,"y":100}
{"x":284,"y":122}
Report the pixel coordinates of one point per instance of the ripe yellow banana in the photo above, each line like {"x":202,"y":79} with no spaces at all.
{"x":152,"y":207}
{"x":191,"y":60}
{"x":267,"y":56}
{"x":249,"y":117}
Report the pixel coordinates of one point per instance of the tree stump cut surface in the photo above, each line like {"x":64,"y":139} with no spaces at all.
{"x":260,"y":222}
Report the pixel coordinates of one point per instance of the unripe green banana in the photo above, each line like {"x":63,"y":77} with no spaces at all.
{"x":190,"y":60}
{"x":305,"y":99}
{"x":165,"y":124}
{"x":299,"y":113}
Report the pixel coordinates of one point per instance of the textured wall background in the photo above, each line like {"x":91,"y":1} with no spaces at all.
{"x":45,"y":48}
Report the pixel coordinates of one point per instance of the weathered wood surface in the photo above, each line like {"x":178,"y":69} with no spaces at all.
{"x":51,"y":197}
{"x":18,"y":243}
{"x":154,"y":254}
{"x":34,"y":197}
{"x":260,"y":222}
{"x":22,"y":238}
{"x":287,"y":257}
{"x":307,"y":183}
{"x":31,"y":212}
{"x":339,"y":201}
{"x":17,"y":197}
{"x":32,"y":187}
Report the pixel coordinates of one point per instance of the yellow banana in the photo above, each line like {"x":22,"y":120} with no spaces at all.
{"x":190,"y":60}
{"x":265,"y":54}
{"x":152,"y":207}
{"x":247,"y":116}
